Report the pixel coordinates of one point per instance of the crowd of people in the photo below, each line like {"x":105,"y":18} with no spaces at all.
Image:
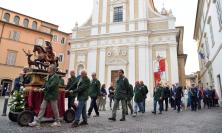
{"x":132,"y":98}
{"x":184,"y":98}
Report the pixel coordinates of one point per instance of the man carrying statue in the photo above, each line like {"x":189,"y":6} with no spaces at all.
{"x":51,"y":91}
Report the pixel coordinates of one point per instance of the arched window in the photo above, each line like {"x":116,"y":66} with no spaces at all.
{"x":16,"y":20}
{"x":6,"y":17}
{"x":34,"y":25}
{"x":26,"y":22}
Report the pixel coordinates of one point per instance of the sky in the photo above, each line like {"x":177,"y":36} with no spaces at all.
{"x":66,"y":13}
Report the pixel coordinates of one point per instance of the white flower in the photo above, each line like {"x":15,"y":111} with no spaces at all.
{"x":22,"y":96}
{"x":13,"y":97}
{"x":15,"y":102}
{"x":21,"y":101}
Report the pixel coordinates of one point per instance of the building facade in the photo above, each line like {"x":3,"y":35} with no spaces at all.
{"x":18,"y":32}
{"x":192,"y":79}
{"x":130,"y":35}
{"x":208,"y":34}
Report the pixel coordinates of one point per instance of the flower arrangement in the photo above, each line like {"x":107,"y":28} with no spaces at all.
{"x":17,"y":101}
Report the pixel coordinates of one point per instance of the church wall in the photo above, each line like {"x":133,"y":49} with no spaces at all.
{"x":131,"y":45}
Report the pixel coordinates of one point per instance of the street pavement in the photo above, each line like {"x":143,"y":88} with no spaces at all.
{"x":203,"y":121}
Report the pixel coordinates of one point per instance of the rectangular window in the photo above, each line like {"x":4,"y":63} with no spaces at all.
{"x":14,"y":35}
{"x":11,"y":58}
{"x":211,"y":31}
{"x":63,"y":40}
{"x":118,"y":14}
{"x":61,"y":57}
{"x":207,"y":49}
{"x":55,"y":38}
{"x":219,"y":13}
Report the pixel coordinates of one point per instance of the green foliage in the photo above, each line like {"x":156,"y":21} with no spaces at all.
{"x":17,"y":101}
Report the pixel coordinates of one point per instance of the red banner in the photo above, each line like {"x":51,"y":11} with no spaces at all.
{"x":157,"y":76}
{"x":162,"y":65}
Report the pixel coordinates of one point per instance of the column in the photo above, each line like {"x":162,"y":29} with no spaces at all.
{"x":143,"y":64}
{"x":104,"y":15}
{"x":102,"y":65}
{"x":132,"y":16}
{"x":95,"y":17}
{"x":142,"y":24}
{"x":150,"y":69}
{"x":132,"y":63}
{"x":174,"y":64}
{"x":91,"y":63}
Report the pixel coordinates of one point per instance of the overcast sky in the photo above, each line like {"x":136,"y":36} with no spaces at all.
{"x":66,"y":12}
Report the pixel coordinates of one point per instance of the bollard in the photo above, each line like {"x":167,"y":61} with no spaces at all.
{"x":5,"y":104}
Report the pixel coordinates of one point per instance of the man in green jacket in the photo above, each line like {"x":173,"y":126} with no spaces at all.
{"x":158,"y":97}
{"x":121,"y":93}
{"x":51,"y":92}
{"x":71,"y":85}
{"x":138,"y":98}
{"x":94,"y":92}
{"x":82,"y":97}
{"x":145,"y":92}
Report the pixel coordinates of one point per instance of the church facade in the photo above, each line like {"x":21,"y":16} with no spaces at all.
{"x":130,"y":35}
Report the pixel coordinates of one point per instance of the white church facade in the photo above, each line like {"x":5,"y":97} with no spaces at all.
{"x":130,"y":35}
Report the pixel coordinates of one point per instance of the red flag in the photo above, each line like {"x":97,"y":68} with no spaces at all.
{"x":162,"y":65}
{"x":157,"y":76}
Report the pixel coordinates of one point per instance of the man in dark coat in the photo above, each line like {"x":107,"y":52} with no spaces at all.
{"x":138,"y":98}
{"x":17,"y":82}
{"x":94,"y":92}
{"x":71,"y":85}
{"x":51,"y":92}
{"x":111,"y":95}
{"x":145,"y":92}
{"x":121,"y":93}
{"x":82,"y":97}
{"x":179,"y":95}
{"x":166,"y":96}
{"x":193,"y":98}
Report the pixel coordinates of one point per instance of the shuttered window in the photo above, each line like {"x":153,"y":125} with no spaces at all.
{"x":14,"y":35}
{"x":11,"y":58}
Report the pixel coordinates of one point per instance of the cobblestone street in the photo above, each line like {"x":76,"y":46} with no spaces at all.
{"x":204,"y":121}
